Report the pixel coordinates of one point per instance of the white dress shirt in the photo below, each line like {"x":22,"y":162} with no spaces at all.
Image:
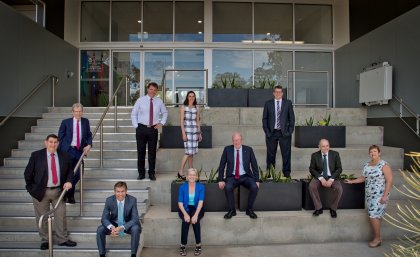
{"x":141,"y":111}
{"x":328,"y":166}
{"x":241,"y":165}
{"x":74,"y":139}
{"x":57,"y":166}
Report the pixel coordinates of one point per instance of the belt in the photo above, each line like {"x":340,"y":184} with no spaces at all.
{"x":54,"y":187}
{"x":146,"y":126}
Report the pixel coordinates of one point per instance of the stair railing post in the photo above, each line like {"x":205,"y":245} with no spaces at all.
{"x":126,"y":91}
{"x":101,"y":145}
{"x":53,"y":91}
{"x":50,"y":241}
{"x":82,"y":172}
{"x":115,"y":114}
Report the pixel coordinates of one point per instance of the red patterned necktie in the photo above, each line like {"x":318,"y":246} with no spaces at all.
{"x":54,"y":170}
{"x":151,"y":113}
{"x":78,"y":135}
{"x":237,"y":165}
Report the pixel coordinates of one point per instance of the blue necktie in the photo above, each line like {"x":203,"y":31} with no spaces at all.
{"x":120,"y":218}
{"x":325,"y":170}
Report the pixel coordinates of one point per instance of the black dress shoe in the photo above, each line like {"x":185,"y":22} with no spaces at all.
{"x":71,"y":200}
{"x":333,"y":213}
{"x":44,"y":246}
{"x":68,"y":243}
{"x":230,"y":214}
{"x":102,"y":255}
{"x":152,"y":177}
{"x":140,"y":177}
{"x":317,"y":212}
{"x":251,"y":214}
{"x":133,"y":255}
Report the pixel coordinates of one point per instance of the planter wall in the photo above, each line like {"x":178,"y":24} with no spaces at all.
{"x":353,"y":196}
{"x":257,"y":97}
{"x":228,"y":97}
{"x":309,"y":136}
{"x":274,"y":197}
{"x":171,"y":137}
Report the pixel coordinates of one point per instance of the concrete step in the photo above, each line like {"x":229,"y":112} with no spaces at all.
{"x":94,"y":153}
{"x":108,"y":144}
{"x":107,"y":136}
{"x":107,"y":129}
{"x":88,"y":115}
{"x":93,"y":122}
{"x":86,"y":110}
{"x":162,"y":228}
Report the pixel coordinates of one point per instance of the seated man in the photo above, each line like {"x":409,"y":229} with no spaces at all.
{"x":325,"y":167}
{"x":120,"y":216}
{"x":242,"y":169}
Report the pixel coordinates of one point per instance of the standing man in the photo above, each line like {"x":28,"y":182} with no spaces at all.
{"x":325,"y":167}
{"x":75,"y":139}
{"x":242,"y":169}
{"x":120,"y":216}
{"x":145,"y":118}
{"x":278,"y":124}
{"x":49,"y":172}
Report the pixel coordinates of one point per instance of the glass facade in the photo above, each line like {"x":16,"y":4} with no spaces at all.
{"x":232,"y":22}
{"x":126,"y":64}
{"x":158,"y":21}
{"x":270,"y":68}
{"x":273,"y":23}
{"x":313,"y":24}
{"x":94,"y":22}
{"x":126,"y":21}
{"x":189,"y":21}
{"x":232,"y":69}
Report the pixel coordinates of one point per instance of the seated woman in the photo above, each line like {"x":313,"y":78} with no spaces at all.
{"x":190,"y":202}
{"x":378,"y":177}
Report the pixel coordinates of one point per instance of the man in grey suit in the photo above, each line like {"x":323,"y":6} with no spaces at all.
{"x":242,"y":169}
{"x":325,"y":167}
{"x":278,"y":124}
{"x":120,"y":216}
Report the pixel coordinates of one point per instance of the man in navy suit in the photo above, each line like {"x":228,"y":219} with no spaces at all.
{"x":242,"y":169}
{"x":120,"y":216}
{"x":75,"y":138}
{"x":278,"y":124}
{"x":49,"y":172}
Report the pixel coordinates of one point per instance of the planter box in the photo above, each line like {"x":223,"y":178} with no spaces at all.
{"x":353,"y":196}
{"x":257,"y":97}
{"x":309,"y":136}
{"x":274,"y":197}
{"x":214,"y":201}
{"x":171,"y":137}
{"x":228,"y":97}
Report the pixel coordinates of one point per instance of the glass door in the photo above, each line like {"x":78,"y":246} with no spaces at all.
{"x":126,"y":64}
{"x":154,"y":65}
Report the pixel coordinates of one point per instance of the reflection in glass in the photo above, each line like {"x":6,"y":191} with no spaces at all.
{"x":312,"y":88}
{"x":232,"y":22}
{"x":127,"y":63}
{"x":94,"y":22}
{"x":189,"y":21}
{"x":94,"y":82}
{"x":126,"y":21}
{"x":154,"y":65}
{"x":273,"y":22}
{"x":232,"y":69}
{"x":313,"y":24}
{"x":270,"y":68}
{"x":158,"y":20}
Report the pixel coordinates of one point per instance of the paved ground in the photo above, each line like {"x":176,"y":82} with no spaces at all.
{"x":352,"y":249}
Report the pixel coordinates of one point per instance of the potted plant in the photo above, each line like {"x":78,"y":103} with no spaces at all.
{"x":353,"y":196}
{"x":228,"y":91}
{"x":171,"y":137}
{"x":276,"y":193}
{"x":308,"y":136}
{"x":215,"y":199}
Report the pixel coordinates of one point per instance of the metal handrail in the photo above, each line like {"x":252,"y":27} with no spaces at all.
{"x":49,"y":213}
{"x":407,"y":108}
{"x":37,"y":87}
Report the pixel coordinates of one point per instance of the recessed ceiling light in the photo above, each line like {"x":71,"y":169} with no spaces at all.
{"x":200,"y":32}
{"x":139,"y":21}
{"x":268,"y":33}
{"x":200,"y":21}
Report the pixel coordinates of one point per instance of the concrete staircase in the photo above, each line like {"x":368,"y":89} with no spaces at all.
{"x":18,"y":236}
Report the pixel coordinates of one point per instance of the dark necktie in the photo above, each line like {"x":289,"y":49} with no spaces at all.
{"x":78,"y":135}
{"x":151,"y":113}
{"x":237,"y":165}
{"x":278,"y":115}
{"x":53,"y":170}
{"x":325,"y":170}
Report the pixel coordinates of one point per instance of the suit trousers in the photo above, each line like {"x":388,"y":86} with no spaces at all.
{"x":336,"y":190}
{"x":285,"y":143}
{"x":41,"y":207}
{"x":102,"y":231}
{"x":186,"y":226}
{"x":74,"y":155}
{"x":149,"y":136}
{"x":246,"y":181}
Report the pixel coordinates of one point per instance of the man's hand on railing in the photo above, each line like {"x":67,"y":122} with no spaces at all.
{"x":86,"y":149}
{"x":67,"y":186}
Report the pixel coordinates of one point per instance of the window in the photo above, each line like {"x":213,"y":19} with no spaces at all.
{"x":270,"y":68}
{"x":313,"y":24}
{"x":158,"y":23}
{"x":232,"y":68}
{"x":95,"y":22}
{"x":126,"y":21}
{"x":189,"y":21}
{"x":273,"y":23}
{"x":232,"y":22}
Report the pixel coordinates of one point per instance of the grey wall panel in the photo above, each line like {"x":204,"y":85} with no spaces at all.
{"x":29,"y":53}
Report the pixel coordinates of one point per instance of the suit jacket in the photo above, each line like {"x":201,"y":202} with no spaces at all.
{"x":183,"y":194}
{"x":110,"y":213}
{"x":65,"y":134}
{"x":36,"y":172}
{"x":248,"y":159}
{"x":334,"y":163}
{"x":287,"y":117}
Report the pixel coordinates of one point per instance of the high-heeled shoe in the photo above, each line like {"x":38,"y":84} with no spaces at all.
{"x":375,"y":245}
{"x":181,"y":177}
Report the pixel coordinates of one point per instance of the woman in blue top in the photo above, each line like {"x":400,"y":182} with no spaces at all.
{"x":190,"y":202}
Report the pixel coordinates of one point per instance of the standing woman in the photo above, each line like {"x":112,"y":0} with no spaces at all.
{"x":191,"y":132}
{"x":190,"y":203}
{"x":378,"y":177}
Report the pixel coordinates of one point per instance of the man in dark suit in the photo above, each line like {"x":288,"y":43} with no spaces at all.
{"x":278,"y":124}
{"x":325,"y":167}
{"x":242,"y":169}
{"x":120,"y":216}
{"x":49,"y":172}
{"x":76,"y":139}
